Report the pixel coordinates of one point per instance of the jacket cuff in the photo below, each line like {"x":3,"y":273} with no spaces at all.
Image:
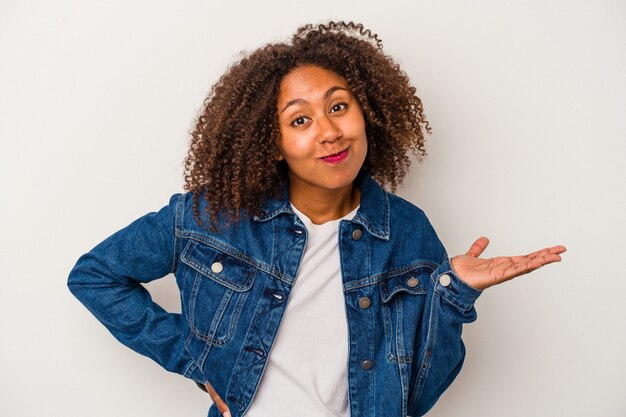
{"x":453,"y":289}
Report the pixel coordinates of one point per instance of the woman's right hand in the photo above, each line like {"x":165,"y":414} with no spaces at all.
{"x":221,"y":405}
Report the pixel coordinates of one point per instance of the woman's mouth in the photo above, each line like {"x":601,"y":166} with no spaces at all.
{"x":336,"y":158}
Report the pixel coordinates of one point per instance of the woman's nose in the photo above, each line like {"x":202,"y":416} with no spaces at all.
{"x":329,"y":131}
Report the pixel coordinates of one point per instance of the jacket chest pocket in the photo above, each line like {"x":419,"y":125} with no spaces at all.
{"x":403,"y":296}
{"x":218,"y":285}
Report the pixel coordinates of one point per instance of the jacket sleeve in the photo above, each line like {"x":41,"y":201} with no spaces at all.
{"x":440,"y":350}
{"x":107,"y":280}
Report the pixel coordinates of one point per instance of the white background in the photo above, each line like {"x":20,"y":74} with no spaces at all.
{"x":527,"y":102}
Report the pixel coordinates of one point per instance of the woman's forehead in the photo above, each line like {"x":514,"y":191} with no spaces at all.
{"x":310,"y":82}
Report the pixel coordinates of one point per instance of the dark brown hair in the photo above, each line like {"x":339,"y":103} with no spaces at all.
{"x":234,"y":142}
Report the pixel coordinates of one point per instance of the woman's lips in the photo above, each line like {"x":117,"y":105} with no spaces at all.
{"x":336,"y":158}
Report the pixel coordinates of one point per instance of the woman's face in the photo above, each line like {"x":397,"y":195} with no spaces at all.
{"x":322,"y":130}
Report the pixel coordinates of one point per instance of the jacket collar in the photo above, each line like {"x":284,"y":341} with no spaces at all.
{"x":373,"y":213}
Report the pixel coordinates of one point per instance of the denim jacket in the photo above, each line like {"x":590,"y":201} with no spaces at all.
{"x":404,"y":304}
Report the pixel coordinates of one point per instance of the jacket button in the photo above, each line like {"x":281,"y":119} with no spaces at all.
{"x":217,"y":267}
{"x":413,"y":282}
{"x":444,"y":280}
{"x":364,"y":302}
{"x":367,"y":365}
{"x":356,"y":235}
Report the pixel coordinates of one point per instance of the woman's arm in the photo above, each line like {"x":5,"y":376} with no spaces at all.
{"x":107,"y":280}
{"x":439,"y":350}
{"x":455,"y":286}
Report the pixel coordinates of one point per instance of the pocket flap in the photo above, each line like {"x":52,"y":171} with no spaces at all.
{"x":412,"y":282}
{"x":219,"y":266}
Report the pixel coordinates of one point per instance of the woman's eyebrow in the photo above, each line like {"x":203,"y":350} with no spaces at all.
{"x":302,"y":101}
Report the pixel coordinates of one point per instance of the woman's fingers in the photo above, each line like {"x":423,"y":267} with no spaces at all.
{"x":554,"y":250}
{"x":520,"y":265}
{"x":219,"y":403}
{"x":478,"y":247}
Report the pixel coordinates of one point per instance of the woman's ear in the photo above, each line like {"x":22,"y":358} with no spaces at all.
{"x":279,"y":157}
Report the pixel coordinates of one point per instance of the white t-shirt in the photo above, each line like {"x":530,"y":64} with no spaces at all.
{"x":306,"y":373}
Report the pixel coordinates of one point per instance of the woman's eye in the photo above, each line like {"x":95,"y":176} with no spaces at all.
{"x":299,"y":121}
{"x":338,"y":107}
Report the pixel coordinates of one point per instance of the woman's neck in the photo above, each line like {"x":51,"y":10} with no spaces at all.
{"x":322,"y":206}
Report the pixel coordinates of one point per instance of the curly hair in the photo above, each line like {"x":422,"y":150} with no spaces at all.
{"x":234,"y":143}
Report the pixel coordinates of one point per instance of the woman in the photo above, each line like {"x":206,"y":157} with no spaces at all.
{"x":306,"y":288}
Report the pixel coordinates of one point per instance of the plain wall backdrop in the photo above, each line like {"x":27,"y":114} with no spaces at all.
{"x":527,"y":103}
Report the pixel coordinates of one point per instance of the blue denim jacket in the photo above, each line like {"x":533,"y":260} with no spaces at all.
{"x":405,"y":306}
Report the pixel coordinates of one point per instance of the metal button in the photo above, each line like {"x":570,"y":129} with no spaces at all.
{"x":356,"y":235}
{"x":367,"y":365}
{"x":217,"y":267}
{"x":364,"y":302}
{"x":413,"y":282}
{"x":444,"y":280}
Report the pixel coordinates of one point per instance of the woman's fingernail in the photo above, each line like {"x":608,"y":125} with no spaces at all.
{"x":227,"y":414}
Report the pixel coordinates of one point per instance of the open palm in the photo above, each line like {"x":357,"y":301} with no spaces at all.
{"x":483,"y":273}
